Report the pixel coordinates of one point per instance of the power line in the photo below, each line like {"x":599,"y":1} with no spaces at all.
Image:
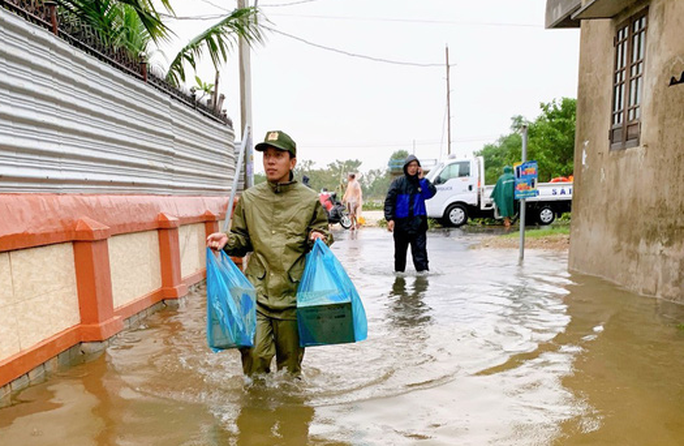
{"x":347,"y":53}
{"x":400,"y":20}
{"x":367,"y":19}
{"x":429,"y":143}
{"x":307,"y":42}
{"x":272,"y":5}
{"x":278,"y":5}
{"x":196,"y":17}
{"x":215,"y":5}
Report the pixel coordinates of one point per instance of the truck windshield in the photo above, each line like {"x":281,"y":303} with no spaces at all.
{"x":434,"y":172}
{"x":453,"y":170}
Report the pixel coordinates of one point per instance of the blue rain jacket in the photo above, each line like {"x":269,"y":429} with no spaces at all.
{"x":405,"y":201}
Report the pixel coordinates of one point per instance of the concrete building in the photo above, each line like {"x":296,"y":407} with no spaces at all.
{"x":627,"y":223}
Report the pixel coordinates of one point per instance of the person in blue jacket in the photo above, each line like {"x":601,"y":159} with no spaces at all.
{"x":406,"y":216}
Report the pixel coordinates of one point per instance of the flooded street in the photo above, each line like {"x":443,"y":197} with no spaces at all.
{"x":479,"y":352}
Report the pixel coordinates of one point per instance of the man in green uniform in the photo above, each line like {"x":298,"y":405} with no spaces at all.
{"x":504,"y":194}
{"x":278,"y":222}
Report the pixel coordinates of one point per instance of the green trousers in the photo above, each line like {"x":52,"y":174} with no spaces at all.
{"x":274,"y":337}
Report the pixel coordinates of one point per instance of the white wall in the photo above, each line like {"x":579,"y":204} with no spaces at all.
{"x":71,"y":123}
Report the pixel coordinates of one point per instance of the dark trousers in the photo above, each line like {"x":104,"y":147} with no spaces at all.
{"x":418,"y":242}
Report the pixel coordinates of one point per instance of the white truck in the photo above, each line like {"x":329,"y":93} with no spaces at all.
{"x":462,"y":194}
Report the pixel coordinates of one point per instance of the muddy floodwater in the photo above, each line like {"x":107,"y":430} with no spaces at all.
{"x":479,"y":352}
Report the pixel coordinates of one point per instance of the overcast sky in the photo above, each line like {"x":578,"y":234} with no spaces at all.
{"x":338,"y":106}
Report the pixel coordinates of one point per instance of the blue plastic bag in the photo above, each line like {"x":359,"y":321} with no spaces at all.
{"x":329,"y":309}
{"x":231,"y":304}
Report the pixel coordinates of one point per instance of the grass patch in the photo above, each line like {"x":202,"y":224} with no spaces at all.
{"x":680,"y":327}
{"x":373,"y":205}
{"x":540,"y":233}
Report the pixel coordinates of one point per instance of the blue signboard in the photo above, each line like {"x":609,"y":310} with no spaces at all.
{"x":526,"y":180}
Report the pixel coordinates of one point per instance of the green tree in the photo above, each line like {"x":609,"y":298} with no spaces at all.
{"x":318,"y":178}
{"x":375,"y":184}
{"x":128,"y":24}
{"x":259,"y":177}
{"x":205,"y":88}
{"x":339,"y":171}
{"x":132,"y":24}
{"x":216,"y":41}
{"x":506,"y":151}
{"x":551,"y":142}
{"x":396,"y":162}
{"x":552,"y":138}
{"x":399,"y":155}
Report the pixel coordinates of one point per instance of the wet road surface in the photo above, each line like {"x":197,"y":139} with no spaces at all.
{"x":480,"y":351}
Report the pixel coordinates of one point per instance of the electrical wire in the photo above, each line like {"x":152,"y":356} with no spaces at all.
{"x":196,"y":17}
{"x":347,"y":53}
{"x":399,"y":20}
{"x":272,"y":5}
{"x":278,"y":5}
{"x":444,"y":119}
{"x":431,"y":143}
{"x":215,"y":5}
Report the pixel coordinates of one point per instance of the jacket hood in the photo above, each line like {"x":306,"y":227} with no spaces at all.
{"x":508,"y":169}
{"x":408,"y":160}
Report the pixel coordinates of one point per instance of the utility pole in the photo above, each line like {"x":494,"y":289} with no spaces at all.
{"x":521,"y":255}
{"x":448,"y":103}
{"x":246,"y":102}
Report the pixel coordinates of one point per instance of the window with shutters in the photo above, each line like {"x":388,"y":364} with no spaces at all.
{"x":628,"y":82}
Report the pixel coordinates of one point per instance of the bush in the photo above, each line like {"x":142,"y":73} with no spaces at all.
{"x":373,"y":205}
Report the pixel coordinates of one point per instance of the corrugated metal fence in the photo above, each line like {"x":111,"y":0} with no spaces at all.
{"x":70,"y":123}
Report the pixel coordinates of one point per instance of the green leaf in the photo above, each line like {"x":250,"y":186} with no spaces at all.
{"x":217,"y":41}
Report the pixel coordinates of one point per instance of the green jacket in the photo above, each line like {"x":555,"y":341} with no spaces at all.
{"x":274,"y":223}
{"x":504,"y":193}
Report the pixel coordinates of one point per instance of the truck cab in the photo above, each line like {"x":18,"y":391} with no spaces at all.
{"x":456,"y":181}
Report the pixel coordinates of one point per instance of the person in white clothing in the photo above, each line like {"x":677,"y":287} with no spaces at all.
{"x":353,"y":198}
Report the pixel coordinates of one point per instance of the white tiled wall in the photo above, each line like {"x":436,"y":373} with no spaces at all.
{"x":134,"y":262}
{"x":38,"y":296}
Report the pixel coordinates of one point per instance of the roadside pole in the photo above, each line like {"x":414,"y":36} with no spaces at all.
{"x":246,"y":141}
{"x":522,"y":200}
{"x":448,"y":92}
{"x":246,"y":101}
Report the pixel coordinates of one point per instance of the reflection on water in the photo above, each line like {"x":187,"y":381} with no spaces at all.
{"x":406,"y":307}
{"x":263,"y":418}
{"x":479,"y":351}
{"x":628,"y":368}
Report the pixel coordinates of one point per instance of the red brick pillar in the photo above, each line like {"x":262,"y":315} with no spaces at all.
{"x":173,"y":286}
{"x":94,"y":281}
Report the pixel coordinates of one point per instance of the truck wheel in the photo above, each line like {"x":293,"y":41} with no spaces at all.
{"x":546,"y":215}
{"x":456,"y":215}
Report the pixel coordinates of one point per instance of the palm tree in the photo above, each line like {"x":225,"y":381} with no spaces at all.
{"x":131,"y":25}
{"x":132,"y":34}
{"x":217,"y":40}
{"x":110,"y":18}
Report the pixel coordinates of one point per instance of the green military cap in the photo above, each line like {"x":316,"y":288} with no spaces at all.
{"x":279,"y":140}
